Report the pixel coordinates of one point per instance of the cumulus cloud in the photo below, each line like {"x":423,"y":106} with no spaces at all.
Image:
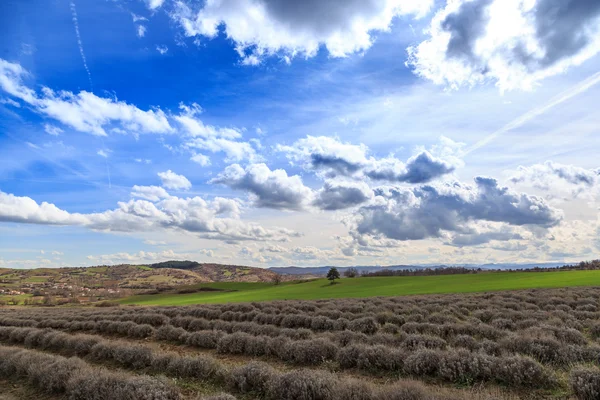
{"x":514,"y":43}
{"x":271,"y":189}
{"x":154,"y":4}
{"x":171,"y":180}
{"x":152,"y":193}
{"x":429,"y":211}
{"x":84,"y":111}
{"x":338,"y":195}
{"x":201,"y":159}
{"x":419,"y":169}
{"x":211,"y":138}
{"x":141,"y":31}
{"x":217,"y":219}
{"x":559,"y":178}
{"x":295,"y":28}
{"x":332,"y":158}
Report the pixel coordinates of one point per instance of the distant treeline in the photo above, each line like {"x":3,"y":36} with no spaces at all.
{"x":584,"y":265}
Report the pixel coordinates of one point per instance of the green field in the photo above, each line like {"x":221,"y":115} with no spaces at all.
{"x":368,"y":287}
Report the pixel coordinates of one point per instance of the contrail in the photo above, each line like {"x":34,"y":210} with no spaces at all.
{"x":80,"y":43}
{"x":529,"y":115}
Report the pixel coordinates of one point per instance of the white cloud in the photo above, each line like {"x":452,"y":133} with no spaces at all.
{"x":559,"y":179}
{"x":155,"y":242}
{"x":271,"y":189}
{"x":138,"y":18}
{"x":52,"y":130}
{"x":10,"y":102}
{"x":171,"y":180}
{"x":514,"y":43}
{"x":234,"y":151}
{"x":141,"y":31}
{"x":141,"y":256}
{"x":162,"y":49}
{"x":218,"y":219}
{"x":154,"y":4}
{"x":211,"y":138}
{"x":152,"y":193}
{"x":201,"y":159}
{"x":84,"y":111}
{"x":287,"y":28}
{"x":103,"y":153}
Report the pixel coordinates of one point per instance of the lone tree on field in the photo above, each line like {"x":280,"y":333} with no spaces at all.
{"x":351,"y":273}
{"x":333,"y":274}
{"x":277,"y":279}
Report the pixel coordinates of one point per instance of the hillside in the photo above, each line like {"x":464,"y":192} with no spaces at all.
{"x":104,"y":282}
{"x":372,"y":287}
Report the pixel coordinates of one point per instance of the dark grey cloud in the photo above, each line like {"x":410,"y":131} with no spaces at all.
{"x":331,"y":158}
{"x":422,"y":168}
{"x":465,"y":26}
{"x":341,"y":195}
{"x":334,"y":165}
{"x":427,"y":211}
{"x":515,"y":44}
{"x":561,"y":29}
{"x":270,"y":189}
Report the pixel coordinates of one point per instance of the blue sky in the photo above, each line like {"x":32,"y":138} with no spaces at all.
{"x":274,"y":133}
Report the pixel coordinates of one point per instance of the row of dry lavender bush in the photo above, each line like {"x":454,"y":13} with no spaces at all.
{"x":54,"y":373}
{"x":456,"y":338}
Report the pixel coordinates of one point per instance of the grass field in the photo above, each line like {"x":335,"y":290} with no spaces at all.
{"x":376,"y":286}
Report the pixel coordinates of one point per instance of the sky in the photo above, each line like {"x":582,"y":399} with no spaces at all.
{"x":277,"y":133}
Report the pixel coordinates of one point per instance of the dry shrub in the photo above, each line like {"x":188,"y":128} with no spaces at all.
{"x":233,"y":344}
{"x":406,"y":390}
{"x":522,"y":371}
{"x":543,"y":348}
{"x":171,"y":334}
{"x":204,"y":339}
{"x":380,"y":358}
{"x":140,"y":331}
{"x":585,"y":383}
{"x":303,"y":385}
{"x":353,"y":389}
{"x":413,"y":342}
{"x":465,"y":367}
{"x":220,"y":396}
{"x":466,"y":341}
{"x":309,"y":352}
{"x":102,"y":385}
{"x":366,"y":325}
{"x":254,"y":377}
{"x":423,"y":362}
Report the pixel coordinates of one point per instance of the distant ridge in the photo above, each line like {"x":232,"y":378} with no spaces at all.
{"x":322,"y":270}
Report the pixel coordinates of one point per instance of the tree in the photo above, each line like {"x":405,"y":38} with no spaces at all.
{"x":333,"y":274}
{"x":276,"y":279}
{"x":351,"y":273}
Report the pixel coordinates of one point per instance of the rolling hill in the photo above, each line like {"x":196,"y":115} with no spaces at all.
{"x":109,"y":281}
